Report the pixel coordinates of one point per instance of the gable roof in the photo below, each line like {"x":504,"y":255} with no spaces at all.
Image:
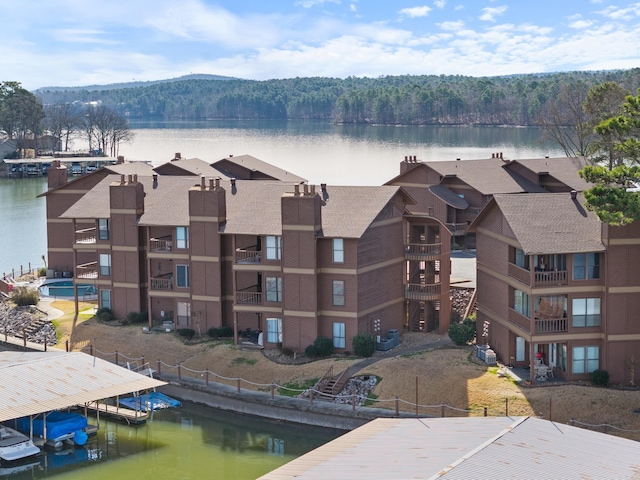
{"x":547,"y":223}
{"x":253,"y":207}
{"x":466,"y":447}
{"x":189,"y":166}
{"x":253,"y":164}
{"x":564,"y":169}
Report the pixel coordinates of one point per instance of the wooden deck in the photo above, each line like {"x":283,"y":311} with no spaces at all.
{"x":119,"y":413}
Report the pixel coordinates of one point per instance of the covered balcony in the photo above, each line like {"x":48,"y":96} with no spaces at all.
{"x":85,"y":236}
{"x":163,"y":281}
{"x":248,"y":255}
{"x":87,"y":270}
{"x":422,"y":292}
{"x":422,"y":251}
{"x":161,"y":244}
{"x":249,"y":296}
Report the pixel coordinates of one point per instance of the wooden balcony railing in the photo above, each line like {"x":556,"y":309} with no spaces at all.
{"x":421,"y":251}
{"x":520,"y":320}
{"x":247,"y":255}
{"x":160,"y":245}
{"x":162,"y":282}
{"x":551,"y":325}
{"x":86,"y":235}
{"x":457,"y":228}
{"x":87,"y":270}
{"x":540,"y":279}
{"x":414,"y":291}
{"x":249,"y":298}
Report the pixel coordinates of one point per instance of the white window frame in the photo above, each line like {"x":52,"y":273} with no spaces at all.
{"x":105,"y":264}
{"x":273,"y":289}
{"x":585,"y":312}
{"x":182,"y":237}
{"x":585,"y":359}
{"x":339,"y":298}
{"x":521,"y":303}
{"x":105,"y":298}
{"x":339,"y":335}
{"x":103,"y":229}
{"x":274,"y":330}
{"x":183,"y":312}
{"x":274,"y":247}
{"x":187,"y":273}
{"x":338,"y":250}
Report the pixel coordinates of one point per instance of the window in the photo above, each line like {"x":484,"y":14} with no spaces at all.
{"x":183,"y":314}
{"x":274,"y":247}
{"x":522,"y":260}
{"x":338,"y":292}
{"x":520,"y":344}
{"x":182,"y":237}
{"x":274,"y":330}
{"x":585,"y":312}
{"x":338,"y":335}
{"x":105,"y":264}
{"x":585,"y":359}
{"x":338,"y":250}
{"x":105,"y":298}
{"x":103,"y":229}
{"x":521,"y":303}
{"x":182,"y":276}
{"x":274,"y":289}
{"x":586,"y":266}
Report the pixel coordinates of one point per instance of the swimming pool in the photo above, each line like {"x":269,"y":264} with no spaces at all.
{"x":64,"y":288}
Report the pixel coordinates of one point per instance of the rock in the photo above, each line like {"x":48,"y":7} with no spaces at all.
{"x":28,"y":320}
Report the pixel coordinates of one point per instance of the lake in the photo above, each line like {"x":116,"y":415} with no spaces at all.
{"x":318,"y":151}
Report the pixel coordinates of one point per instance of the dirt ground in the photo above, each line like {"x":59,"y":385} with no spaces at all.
{"x":447,"y":375}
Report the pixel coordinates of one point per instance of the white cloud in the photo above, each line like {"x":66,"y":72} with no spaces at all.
{"x":414,"y":12}
{"x":580,"y":24}
{"x":489,"y":14}
{"x":453,"y":26}
{"x":440,"y":3}
{"x":313,"y":3}
{"x":353,"y":8}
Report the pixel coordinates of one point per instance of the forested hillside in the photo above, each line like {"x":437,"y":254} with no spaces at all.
{"x":428,"y":99}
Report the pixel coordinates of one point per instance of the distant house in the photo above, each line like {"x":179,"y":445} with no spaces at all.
{"x":557,"y":284}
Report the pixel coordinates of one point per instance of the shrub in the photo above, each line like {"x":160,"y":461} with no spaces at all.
{"x":462,"y":333}
{"x":600,"y":378}
{"x":324,"y":346}
{"x":137,"y":317}
{"x":186,"y":333}
{"x":364,"y":345}
{"x":220,"y":332}
{"x":23,"y":296}
{"x":287,"y":352}
{"x":311,"y":351}
{"x":42,"y":272}
{"x":105,"y":314}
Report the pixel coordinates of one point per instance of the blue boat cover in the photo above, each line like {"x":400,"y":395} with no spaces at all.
{"x":58,"y":424}
{"x":151,"y":401}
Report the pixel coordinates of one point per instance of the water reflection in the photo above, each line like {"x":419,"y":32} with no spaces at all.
{"x":187,"y":442}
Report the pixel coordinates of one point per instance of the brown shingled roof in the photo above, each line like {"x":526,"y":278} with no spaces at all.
{"x":564,"y":169}
{"x":547,"y":223}
{"x":253,"y":207}
{"x":255,"y":164}
{"x":193,"y":166}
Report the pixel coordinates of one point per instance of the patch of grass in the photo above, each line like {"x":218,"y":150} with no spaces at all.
{"x":371,"y":399}
{"x":292,"y":389}
{"x":414,"y":354}
{"x":243,"y":360}
{"x":493,"y":370}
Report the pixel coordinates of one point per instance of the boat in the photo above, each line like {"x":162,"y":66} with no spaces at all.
{"x":60,"y":427}
{"x":150,"y":401}
{"x":15,"y":445}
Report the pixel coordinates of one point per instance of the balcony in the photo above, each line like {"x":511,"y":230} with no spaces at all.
{"x":457,"y":229}
{"x":551,"y":325}
{"x":540,"y":279}
{"x":164,"y":244}
{"x":87,"y":270}
{"x":422,"y":251}
{"x":248,"y":298}
{"x":422,"y":293}
{"x":162,"y":282}
{"x":248,"y":255}
{"x":86,"y":235}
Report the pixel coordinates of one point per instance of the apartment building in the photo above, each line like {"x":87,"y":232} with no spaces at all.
{"x":557,"y":286}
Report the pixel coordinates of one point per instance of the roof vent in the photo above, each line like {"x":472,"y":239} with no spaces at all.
{"x":574,"y":194}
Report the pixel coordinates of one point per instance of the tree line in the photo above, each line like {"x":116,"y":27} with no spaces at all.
{"x":25,"y":119}
{"x":518,"y":100}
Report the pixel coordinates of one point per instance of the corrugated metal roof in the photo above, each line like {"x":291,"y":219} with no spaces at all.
{"x":36,"y":382}
{"x":478,"y":447}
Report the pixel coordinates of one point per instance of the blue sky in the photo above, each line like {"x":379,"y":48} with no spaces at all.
{"x":83,"y":42}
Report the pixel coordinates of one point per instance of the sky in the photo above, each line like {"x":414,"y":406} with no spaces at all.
{"x":88,"y":42}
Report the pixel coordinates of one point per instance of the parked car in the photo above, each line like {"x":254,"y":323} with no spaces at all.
{"x":76,"y":169}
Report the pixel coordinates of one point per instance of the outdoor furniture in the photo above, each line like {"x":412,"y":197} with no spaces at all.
{"x":541,"y":372}
{"x":550,"y":370}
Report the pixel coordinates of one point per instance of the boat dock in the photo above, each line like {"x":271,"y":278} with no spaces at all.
{"x":133,"y":417}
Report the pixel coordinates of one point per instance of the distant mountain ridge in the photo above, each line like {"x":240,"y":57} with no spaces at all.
{"x":116,"y":86}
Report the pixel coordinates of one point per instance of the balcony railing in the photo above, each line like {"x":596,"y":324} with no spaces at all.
{"x":162,"y":282}
{"x":414,"y":291}
{"x":540,"y":279}
{"x":247,"y":255}
{"x":421,"y":251}
{"x":87,"y":270}
{"x":519,"y":319}
{"x":249,"y":298}
{"x":86,"y":235}
{"x":551,"y":325}
{"x":160,"y":245}
{"x":459,"y":228}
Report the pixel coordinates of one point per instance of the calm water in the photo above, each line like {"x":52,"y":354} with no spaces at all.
{"x":319,"y":152}
{"x":190,"y":442}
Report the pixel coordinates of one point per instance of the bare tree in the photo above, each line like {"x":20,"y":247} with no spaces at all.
{"x":63,"y":121}
{"x":106,"y":129}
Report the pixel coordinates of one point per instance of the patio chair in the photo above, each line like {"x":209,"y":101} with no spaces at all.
{"x":550,"y":370}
